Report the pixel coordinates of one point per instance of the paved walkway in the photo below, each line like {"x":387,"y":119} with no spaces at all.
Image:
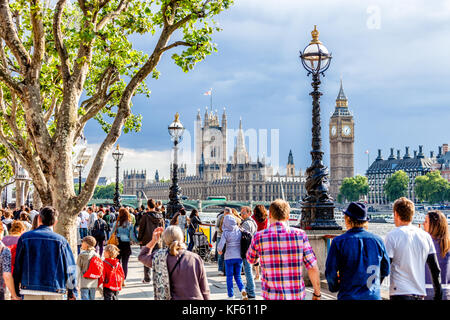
{"x":136,"y":290}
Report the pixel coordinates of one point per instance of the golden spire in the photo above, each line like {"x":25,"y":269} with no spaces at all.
{"x":315,"y":36}
{"x":117,"y":148}
{"x":177,"y":117}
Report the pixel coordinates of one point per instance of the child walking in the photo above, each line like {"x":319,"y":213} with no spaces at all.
{"x":113,"y":274}
{"x":231,"y":237}
{"x":87,"y":285}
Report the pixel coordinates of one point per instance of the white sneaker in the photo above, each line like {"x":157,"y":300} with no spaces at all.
{"x":230,"y":298}
{"x":244,"y":295}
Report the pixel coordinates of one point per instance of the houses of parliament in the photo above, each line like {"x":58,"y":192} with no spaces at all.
{"x":242,"y":178}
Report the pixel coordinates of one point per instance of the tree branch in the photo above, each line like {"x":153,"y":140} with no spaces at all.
{"x":38,"y":39}
{"x":175,"y":44}
{"x":9,"y":34}
{"x":59,"y":43}
{"x":121,"y":7}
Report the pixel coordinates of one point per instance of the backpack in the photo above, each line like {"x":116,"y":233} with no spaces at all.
{"x":95,"y":268}
{"x":116,"y":277}
{"x":246,"y":240}
{"x":98,"y":231}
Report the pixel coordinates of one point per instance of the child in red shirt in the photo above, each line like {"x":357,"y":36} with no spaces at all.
{"x":113,"y":274}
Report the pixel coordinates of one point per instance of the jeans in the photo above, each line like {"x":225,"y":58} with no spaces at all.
{"x":406,"y":297}
{"x":191,"y":241}
{"x":83,"y":233}
{"x":233,"y":269}
{"x":87,"y":293}
{"x":220,"y":260}
{"x":108,"y":294}
{"x":250,"y":286}
{"x":100,"y":246}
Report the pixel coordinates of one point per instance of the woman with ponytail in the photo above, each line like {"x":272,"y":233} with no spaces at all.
{"x":178,"y":274}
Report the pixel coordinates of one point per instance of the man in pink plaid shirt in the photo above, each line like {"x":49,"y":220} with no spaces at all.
{"x":281,"y":251}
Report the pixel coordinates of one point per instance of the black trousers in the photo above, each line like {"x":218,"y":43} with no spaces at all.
{"x":124,"y":255}
{"x":108,"y":294}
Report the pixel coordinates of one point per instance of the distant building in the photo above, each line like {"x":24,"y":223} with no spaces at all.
{"x":443,"y":161}
{"x":342,"y":139}
{"x":238,"y":179}
{"x":102,"y":181}
{"x":414,"y":165}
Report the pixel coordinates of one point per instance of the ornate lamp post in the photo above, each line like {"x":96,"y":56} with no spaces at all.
{"x":117,"y":156}
{"x":79,"y":167}
{"x":176,"y":131}
{"x":317,"y":205}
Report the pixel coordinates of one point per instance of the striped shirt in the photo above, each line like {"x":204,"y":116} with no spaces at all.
{"x":281,"y":251}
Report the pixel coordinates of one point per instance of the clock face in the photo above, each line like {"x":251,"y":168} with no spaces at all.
{"x":333,"y":130}
{"x":346,"y":130}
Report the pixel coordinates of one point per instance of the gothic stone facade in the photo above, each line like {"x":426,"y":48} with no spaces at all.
{"x":239,"y":179}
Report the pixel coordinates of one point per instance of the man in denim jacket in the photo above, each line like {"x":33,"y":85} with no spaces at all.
{"x":44,"y":266}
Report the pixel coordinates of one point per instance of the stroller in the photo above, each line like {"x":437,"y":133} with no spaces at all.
{"x":202,"y":246}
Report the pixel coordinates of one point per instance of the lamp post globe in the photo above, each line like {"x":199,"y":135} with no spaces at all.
{"x":176,"y":131}
{"x":117,"y":156}
{"x":317,"y":204}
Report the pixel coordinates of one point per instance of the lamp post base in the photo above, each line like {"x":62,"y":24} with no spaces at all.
{"x":318,"y":216}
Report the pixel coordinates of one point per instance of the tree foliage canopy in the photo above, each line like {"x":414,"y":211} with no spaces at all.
{"x":432,"y":188}
{"x":396,"y":185}
{"x":352,"y":188}
{"x":64,"y":63}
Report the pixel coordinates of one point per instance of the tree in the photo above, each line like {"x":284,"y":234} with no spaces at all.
{"x":106,"y":192}
{"x":396,"y":185}
{"x":6,"y":169}
{"x":352,"y":188}
{"x":432,"y":187}
{"x":51,"y":58}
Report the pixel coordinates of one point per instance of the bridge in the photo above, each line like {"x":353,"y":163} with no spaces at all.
{"x":200,"y":205}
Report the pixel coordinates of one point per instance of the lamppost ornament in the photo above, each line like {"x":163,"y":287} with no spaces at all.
{"x":117,"y":156}
{"x":176,"y":131}
{"x":317,"y":205}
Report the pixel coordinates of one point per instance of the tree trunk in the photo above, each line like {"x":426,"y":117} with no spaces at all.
{"x":66,"y":225}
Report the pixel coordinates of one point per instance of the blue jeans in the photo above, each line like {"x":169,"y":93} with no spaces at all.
{"x":87,"y":294}
{"x":233,"y":269}
{"x":250,"y":286}
{"x":220,"y":260}
{"x":83,"y":233}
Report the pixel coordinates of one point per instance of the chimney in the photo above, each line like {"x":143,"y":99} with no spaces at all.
{"x":379,"y":156}
{"x":440,"y":152}
{"x":432,"y":154}
{"x":444,"y":148}
{"x":391,"y":157}
{"x":420,"y":155}
{"x":398,"y":155}
{"x":415,"y":154}
{"x":406,"y":156}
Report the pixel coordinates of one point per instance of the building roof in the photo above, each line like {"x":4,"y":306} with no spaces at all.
{"x":392,"y":165}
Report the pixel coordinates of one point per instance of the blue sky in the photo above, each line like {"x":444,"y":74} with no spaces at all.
{"x":393,"y":57}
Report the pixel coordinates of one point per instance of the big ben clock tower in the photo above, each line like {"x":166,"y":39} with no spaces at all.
{"x":341,"y":143}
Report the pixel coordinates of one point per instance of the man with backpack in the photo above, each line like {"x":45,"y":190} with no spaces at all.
{"x":149,"y":221}
{"x":249,"y":225}
{"x":99,"y":231}
{"x":88,"y":268}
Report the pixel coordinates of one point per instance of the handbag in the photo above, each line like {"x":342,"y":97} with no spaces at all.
{"x":214,"y":238}
{"x":113,"y":239}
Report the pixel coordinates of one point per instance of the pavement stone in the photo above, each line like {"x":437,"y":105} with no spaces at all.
{"x":136,"y":290}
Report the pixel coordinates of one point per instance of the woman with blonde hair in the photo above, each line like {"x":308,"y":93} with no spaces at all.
{"x":178,"y":274}
{"x":437,"y":226}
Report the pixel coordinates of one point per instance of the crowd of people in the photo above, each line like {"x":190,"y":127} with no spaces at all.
{"x":256,"y":243}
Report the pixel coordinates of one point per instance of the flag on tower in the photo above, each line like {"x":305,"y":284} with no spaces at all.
{"x":208,"y":93}
{"x":367,"y":151}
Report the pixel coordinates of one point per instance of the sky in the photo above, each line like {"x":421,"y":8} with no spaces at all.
{"x":393,"y":57}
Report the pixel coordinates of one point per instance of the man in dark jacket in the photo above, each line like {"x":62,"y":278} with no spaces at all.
{"x":357,"y":261}
{"x":150,"y":220}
